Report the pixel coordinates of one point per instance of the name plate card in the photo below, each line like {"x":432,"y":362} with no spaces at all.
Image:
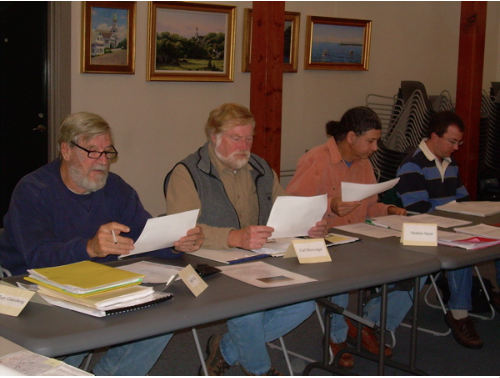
{"x":192,"y":280}
{"x":308,"y":251}
{"x":13,"y":299}
{"x":419,"y":234}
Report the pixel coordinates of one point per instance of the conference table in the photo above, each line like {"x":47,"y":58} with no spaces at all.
{"x":53,"y":331}
{"x":451,"y":257}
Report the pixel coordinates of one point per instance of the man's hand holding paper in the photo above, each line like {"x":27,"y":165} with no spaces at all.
{"x":164,"y":232}
{"x":293,"y":216}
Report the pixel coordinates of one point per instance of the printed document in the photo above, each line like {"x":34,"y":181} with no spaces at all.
{"x":358,"y":192}
{"x":294,"y":216}
{"x":395,"y":222}
{"x":163,"y":232}
{"x":369,"y":230}
{"x":263,"y":275}
{"x":477,"y":208}
{"x":31,"y":364}
{"x":481,"y":229}
{"x":153,"y":272}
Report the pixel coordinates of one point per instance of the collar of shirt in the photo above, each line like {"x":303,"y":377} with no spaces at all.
{"x":335,"y":155}
{"x":441,"y":165}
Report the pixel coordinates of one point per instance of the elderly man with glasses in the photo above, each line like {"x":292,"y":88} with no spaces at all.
{"x":73,"y":209}
{"x":429,"y":178}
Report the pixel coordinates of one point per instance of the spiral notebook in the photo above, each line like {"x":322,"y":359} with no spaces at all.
{"x":152,"y":300}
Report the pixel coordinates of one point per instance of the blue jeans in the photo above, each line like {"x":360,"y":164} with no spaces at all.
{"x":135,"y":358}
{"x":398,"y":305}
{"x":460,"y":285}
{"x":247,"y":335}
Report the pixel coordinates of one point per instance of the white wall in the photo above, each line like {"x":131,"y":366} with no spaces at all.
{"x":156,"y":124}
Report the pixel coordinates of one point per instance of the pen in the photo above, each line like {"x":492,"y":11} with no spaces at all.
{"x":248,"y":258}
{"x":114,"y":236}
{"x":376,"y":224}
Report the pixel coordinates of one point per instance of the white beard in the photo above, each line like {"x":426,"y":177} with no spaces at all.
{"x":82,"y":180}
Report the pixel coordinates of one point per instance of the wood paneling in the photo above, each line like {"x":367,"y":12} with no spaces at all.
{"x":266,"y":87}
{"x":469,"y":87}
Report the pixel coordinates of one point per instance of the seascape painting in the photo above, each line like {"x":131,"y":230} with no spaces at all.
{"x":337,"y":44}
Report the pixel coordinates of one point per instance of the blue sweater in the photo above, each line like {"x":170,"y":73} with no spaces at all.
{"x":420,"y":186}
{"x":48,"y":225}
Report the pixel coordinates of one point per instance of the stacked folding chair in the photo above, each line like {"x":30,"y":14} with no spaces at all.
{"x":489,"y":153}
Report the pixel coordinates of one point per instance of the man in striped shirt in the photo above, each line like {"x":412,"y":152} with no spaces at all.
{"x":429,"y":178}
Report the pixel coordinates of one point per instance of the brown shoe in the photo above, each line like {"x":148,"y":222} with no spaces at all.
{"x":216,"y":365}
{"x":346,"y":360}
{"x":495,"y":301}
{"x":464,"y":331}
{"x":369,"y":340}
{"x":272,"y":371}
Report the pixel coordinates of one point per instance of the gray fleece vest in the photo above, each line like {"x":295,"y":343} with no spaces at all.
{"x":216,"y":209}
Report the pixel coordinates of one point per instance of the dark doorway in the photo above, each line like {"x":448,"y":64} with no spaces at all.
{"x":23,"y":93}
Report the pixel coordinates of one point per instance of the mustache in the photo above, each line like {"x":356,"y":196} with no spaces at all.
{"x":99,"y":167}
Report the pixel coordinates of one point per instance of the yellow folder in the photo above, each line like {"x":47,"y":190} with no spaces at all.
{"x":84,"y":277}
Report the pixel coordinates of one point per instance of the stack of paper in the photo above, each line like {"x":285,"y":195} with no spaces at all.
{"x":477,"y":208}
{"x":454,"y":239}
{"x":83,"y":277}
{"x":92,"y":288}
{"x":482,"y":230}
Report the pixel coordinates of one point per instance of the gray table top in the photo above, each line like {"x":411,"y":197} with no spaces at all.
{"x":52,"y":331}
{"x":450,"y":257}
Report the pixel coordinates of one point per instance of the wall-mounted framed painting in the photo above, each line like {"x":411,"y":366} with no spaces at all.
{"x":337,"y":44}
{"x":108,"y":37}
{"x":291,"y":42}
{"x":190,"y":41}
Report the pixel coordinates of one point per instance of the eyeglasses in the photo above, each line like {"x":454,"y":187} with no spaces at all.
{"x":96,"y":154}
{"x":455,"y":142}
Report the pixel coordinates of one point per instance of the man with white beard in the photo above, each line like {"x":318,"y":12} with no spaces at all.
{"x":73,"y":209}
{"x":235,"y":191}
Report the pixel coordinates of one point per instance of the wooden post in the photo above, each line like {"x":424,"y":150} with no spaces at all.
{"x":266,"y":87}
{"x":469,"y":88}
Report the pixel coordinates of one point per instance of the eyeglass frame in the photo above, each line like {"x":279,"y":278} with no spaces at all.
{"x":454,"y":142}
{"x":97,"y":152}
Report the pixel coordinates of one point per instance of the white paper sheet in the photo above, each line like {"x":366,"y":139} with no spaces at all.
{"x":263,"y":275}
{"x":153,"y":272}
{"x":163,"y":232}
{"x":396,"y":221}
{"x":31,"y":364}
{"x":294,"y":216}
{"x":368,"y":230}
{"x":358,"y":192}
{"x":481,"y":229}
{"x":476,"y":208}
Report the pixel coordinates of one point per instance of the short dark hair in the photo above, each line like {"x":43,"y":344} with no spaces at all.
{"x":440,"y":121}
{"x":359,"y":120}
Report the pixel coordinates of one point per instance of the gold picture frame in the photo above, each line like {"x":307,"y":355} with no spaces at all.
{"x":108,"y":37}
{"x":291,"y":48}
{"x":337,"y":44}
{"x":190,"y":41}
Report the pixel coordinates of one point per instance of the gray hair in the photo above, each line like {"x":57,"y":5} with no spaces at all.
{"x":82,"y":124}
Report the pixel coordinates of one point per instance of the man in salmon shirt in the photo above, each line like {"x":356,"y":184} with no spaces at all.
{"x":344,"y":158}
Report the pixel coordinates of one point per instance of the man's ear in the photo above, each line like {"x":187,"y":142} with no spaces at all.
{"x":351,"y":137}
{"x":434,"y":137}
{"x":213,"y":139}
{"x":65,"y":150}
